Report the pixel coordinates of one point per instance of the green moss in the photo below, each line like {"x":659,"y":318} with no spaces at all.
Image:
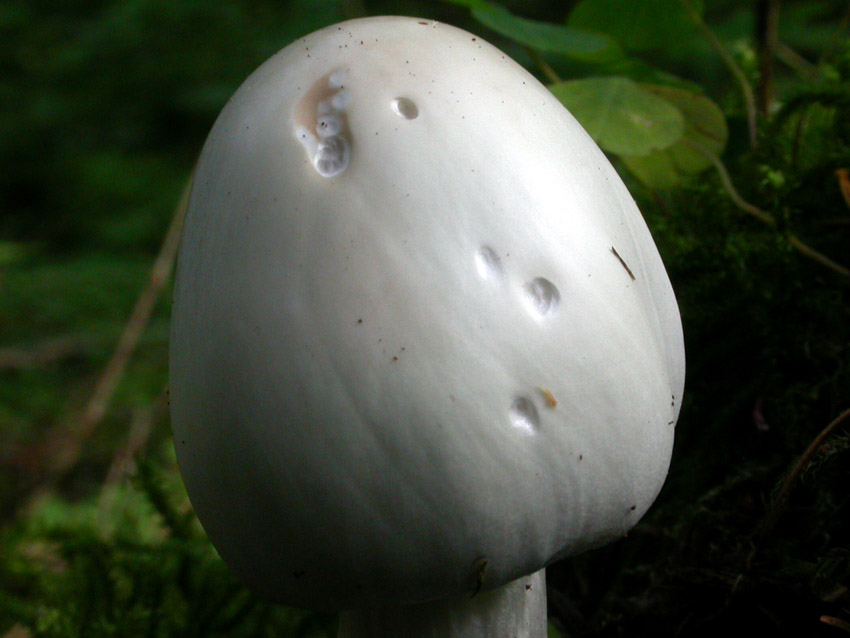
{"x":131,"y":561}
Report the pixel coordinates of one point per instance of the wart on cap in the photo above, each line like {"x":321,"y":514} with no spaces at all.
{"x":321,"y":126}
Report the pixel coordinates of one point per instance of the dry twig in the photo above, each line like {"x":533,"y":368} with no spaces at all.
{"x":731,"y":65}
{"x":65,"y":443}
{"x":767,"y":36}
{"x":141,"y":425}
{"x":763,"y":215}
{"x":42,"y":354}
{"x":772,"y":515}
{"x":836,"y":622}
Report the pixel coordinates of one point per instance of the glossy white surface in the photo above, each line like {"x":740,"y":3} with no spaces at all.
{"x":432,"y":356}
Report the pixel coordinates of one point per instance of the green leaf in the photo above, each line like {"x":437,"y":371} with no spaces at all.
{"x":470,"y":4}
{"x":705,"y":127}
{"x":643,"y":72}
{"x":637,"y":26}
{"x":543,"y":36}
{"x":621,"y":116}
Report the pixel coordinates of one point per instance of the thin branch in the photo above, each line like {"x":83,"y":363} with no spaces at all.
{"x":733,"y":193}
{"x":836,"y":622}
{"x":796,"y":62}
{"x":806,"y":457}
{"x":819,"y":257}
{"x":42,"y":354}
{"x":772,"y":515}
{"x":731,"y":65}
{"x":843,"y":177}
{"x":549,"y":73}
{"x":141,"y":425}
{"x":767,"y":36}
{"x":763,"y":215}
{"x":72,"y":436}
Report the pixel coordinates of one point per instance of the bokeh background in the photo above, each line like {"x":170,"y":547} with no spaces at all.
{"x":104,"y":106}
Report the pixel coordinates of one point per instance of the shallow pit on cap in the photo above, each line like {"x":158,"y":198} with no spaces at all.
{"x":524,"y":415}
{"x":405,"y":108}
{"x":541,"y":296}
{"x":488,"y":263}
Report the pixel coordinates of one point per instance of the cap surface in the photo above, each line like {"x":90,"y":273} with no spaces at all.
{"x":422,"y":339}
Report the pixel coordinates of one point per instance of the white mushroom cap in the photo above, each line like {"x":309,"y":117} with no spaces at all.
{"x":422,"y":339}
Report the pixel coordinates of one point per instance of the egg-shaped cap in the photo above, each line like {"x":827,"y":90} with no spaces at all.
{"x":422,"y":341}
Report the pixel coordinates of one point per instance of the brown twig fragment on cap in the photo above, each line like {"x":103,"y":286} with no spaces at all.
{"x":551,"y":401}
{"x":623,"y":261}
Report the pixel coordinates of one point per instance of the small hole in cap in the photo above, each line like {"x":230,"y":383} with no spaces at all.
{"x":405,"y":108}
{"x":542,"y":296}
{"x":524,"y":415}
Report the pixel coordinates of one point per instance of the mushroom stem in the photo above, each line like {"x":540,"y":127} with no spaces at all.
{"x":516,"y":609}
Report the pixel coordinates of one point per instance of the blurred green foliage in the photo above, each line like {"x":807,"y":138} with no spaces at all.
{"x":131,"y":561}
{"x":105,"y":105}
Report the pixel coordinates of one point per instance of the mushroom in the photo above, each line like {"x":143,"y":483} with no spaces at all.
{"x":422,"y":343}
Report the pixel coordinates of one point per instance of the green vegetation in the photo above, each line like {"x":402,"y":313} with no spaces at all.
{"x":730,"y":122}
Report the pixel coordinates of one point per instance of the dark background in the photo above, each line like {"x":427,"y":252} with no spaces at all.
{"x":103,"y":109}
